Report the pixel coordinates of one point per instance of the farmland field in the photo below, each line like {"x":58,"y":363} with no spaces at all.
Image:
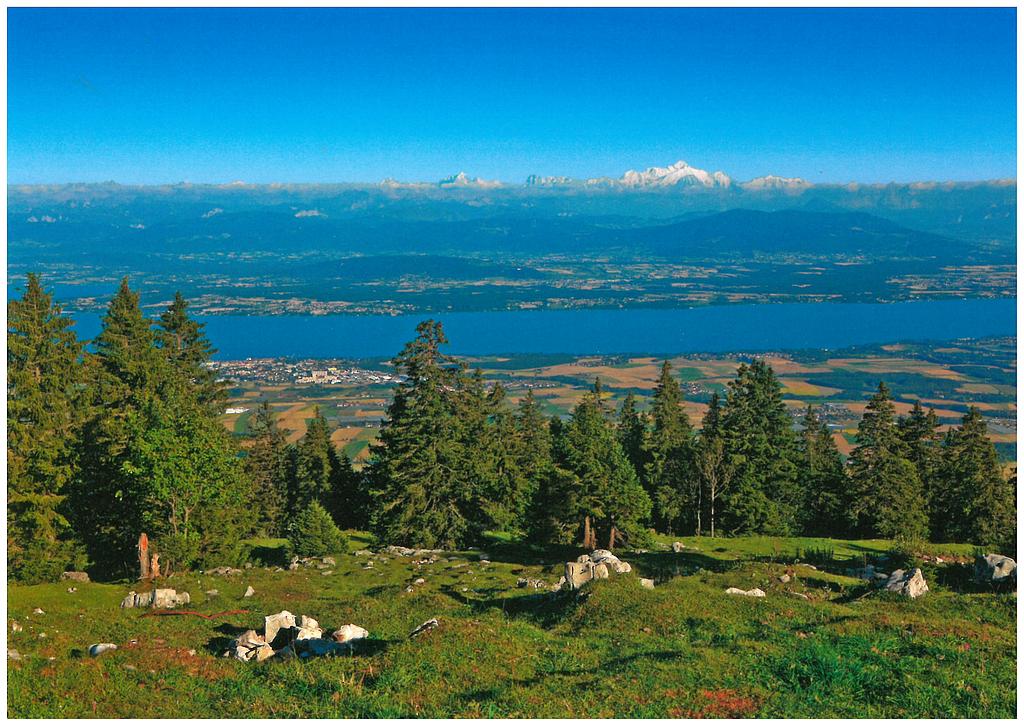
{"x":946,"y":377}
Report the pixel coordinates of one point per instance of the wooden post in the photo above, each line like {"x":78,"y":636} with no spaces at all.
{"x":143,"y":557}
{"x":154,"y":565}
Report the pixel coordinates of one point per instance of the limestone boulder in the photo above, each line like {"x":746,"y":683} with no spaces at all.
{"x":909,"y":583}
{"x":756,"y":592}
{"x":98,"y":648}
{"x":251,"y":646}
{"x":306,"y":628}
{"x":349,"y":634}
{"x":75,"y":576}
{"x":273,"y":625}
{"x":166,"y":598}
{"x":994,"y":570}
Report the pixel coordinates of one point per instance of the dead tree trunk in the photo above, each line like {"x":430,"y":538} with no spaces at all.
{"x":612,"y":536}
{"x":143,"y":557}
{"x":154,"y":565}
{"x":587,"y":534}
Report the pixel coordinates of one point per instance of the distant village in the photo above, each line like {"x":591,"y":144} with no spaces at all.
{"x":327,"y":372}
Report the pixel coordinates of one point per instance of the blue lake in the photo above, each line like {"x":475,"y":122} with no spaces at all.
{"x":713,"y":329}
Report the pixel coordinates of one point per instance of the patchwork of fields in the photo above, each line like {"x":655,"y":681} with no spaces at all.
{"x":948,"y":377}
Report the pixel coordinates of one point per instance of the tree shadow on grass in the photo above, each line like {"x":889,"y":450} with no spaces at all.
{"x":593,"y":676}
{"x":545,"y":608}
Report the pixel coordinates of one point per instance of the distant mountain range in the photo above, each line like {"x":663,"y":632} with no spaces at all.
{"x":666,"y":211}
{"x":678,"y":175}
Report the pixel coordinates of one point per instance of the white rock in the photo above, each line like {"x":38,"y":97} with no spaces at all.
{"x":98,"y":648}
{"x":647,"y":583}
{"x":910,"y":584}
{"x":349,"y":633}
{"x":756,"y":592}
{"x":272,"y":624}
{"x":249,"y":592}
{"x":994,"y":569}
{"x":424,"y":627}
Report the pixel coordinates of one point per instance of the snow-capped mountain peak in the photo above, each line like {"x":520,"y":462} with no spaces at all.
{"x":771,"y":182}
{"x":464,"y":180}
{"x":678,"y":174}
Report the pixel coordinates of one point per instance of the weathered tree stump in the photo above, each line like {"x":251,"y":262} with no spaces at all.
{"x":143,"y":557}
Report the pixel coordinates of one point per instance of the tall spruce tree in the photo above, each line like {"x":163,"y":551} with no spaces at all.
{"x":125,"y":371}
{"x":670,"y":481}
{"x":975,"y":502}
{"x":155,"y":457}
{"x":313,"y":475}
{"x":887,"y":497}
{"x":919,"y":432}
{"x":422,"y":495}
{"x":631,"y":429}
{"x":509,"y":487}
{"x":44,"y":395}
{"x":594,"y":475}
{"x":267,"y":466}
{"x":189,"y":351}
{"x":760,"y":445}
{"x":823,"y":479}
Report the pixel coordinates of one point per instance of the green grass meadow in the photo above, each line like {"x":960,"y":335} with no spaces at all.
{"x":684,"y":649}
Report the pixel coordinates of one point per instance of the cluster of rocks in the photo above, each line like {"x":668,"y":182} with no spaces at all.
{"x":285,"y":635}
{"x":531,"y":583}
{"x":160,"y":598}
{"x":320,"y":563}
{"x":678,"y":547}
{"x":595,"y":566}
{"x":224,"y":571}
{"x":869,"y":573}
{"x":399,"y":551}
{"x":75,"y":576}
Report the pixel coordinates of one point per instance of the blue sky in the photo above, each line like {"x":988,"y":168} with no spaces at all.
{"x":150,"y":96}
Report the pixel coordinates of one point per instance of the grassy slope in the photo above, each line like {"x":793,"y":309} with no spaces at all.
{"x":684,"y":649}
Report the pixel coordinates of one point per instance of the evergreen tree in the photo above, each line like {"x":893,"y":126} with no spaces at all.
{"x":154,"y":456}
{"x":124,"y":373}
{"x":509,"y":488}
{"x":534,"y":432}
{"x":188,"y":350}
{"x":607,"y":501}
{"x":184,"y":480}
{"x":919,"y":432}
{"x":823,"y":479}
{"x":632,"y":433}
{"x":43,"y":397}
{"x":418,"y":469}
{"x":887,"y":500}
{"x":975,"y":503}
{"x":669,"y":480}
{"x":267,"y":466}
{"x":713,"y":469}
{"x":760,"y":446}
{"x":315,"y":460}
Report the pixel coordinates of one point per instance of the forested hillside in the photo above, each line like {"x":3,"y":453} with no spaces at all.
{"x":122,"y":435}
